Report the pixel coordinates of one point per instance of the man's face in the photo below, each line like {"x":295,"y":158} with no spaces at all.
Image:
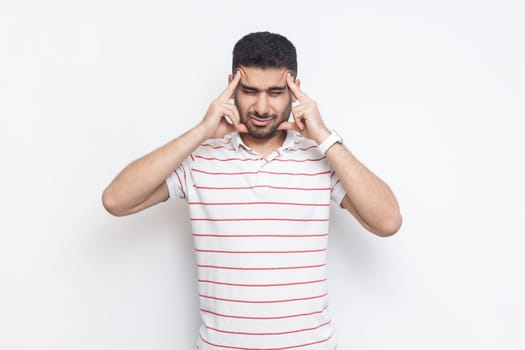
{"x":263,"y":100}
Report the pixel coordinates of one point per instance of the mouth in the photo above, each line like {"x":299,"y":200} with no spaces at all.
{"x":261,"y":122}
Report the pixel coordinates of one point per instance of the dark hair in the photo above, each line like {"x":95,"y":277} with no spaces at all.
{"x":265,"y":50}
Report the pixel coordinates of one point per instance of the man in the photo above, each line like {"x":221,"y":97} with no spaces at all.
{"x":259,"y":186}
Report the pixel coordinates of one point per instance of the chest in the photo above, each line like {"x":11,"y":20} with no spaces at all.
{"x":302,"y":179}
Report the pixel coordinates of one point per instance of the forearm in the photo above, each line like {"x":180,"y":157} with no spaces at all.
{"x":367,"y":197}
{"x":371,"y":198}
{"x":137,"y":182}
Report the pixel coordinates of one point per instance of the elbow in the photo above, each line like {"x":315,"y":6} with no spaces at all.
{"x":110,"y":203}
{"x":390,"y":226}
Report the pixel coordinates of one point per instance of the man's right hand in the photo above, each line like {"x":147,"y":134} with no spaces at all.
{"x":142,"y":183}
{"x":222,"y":117}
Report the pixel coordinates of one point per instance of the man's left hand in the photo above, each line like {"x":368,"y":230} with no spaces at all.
{"x":306,"y":115}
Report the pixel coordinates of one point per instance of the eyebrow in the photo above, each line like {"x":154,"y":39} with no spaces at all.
{"x":271,"y":88}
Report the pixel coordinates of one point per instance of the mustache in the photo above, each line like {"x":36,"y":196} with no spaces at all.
{"x":261,"y":116}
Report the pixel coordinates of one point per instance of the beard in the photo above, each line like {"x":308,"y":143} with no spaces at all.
{"x":266,"y":131}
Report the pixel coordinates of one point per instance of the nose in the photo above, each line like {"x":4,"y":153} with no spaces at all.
{"x":261,"y":105}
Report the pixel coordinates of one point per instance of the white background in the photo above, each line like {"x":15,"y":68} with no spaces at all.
{"x":428,"y":94}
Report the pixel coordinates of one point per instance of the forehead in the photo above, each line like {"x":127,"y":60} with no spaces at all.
{"x":263,"y":78}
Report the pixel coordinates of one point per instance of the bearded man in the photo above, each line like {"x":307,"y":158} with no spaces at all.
{"x":258,"y":175}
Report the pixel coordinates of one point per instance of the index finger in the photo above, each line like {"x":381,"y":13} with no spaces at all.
{"x":229,"y":91}
{"x":299,"y":95}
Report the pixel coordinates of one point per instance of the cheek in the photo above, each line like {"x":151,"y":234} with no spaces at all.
{"x":282,"y":104}
{"x":243,"y":102}
{"x":240,"y":104}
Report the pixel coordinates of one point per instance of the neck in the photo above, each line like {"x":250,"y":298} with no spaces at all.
{"x":266,"y":146}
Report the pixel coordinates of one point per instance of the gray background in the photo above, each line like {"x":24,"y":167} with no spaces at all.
{"x":429,"y":95}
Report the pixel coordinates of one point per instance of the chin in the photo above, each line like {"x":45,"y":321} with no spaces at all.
{"x":262,"y":135}
{"x":259,"y":136}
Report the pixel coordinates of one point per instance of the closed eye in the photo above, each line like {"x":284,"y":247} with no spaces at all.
{"x":249,"y":91}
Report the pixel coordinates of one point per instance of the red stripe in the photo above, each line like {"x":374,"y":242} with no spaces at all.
{"x":261,"y":285}
{"x":259,"y":219}
{"x":335,"y":185}
{"x":180,"y":183}
{"x":258,"y":159}
{"x":265,"y":318}
{"x":302,"y":149}
{"x":261,"y":235}
{"x":279,"y":348}
{"x":185,"y":179}
{"x":259,"y":252}
{"x":272,"y":333}
{"x":303,"y":174}
{"x":219,"y":173}
{"x":217,"y":147}
{"x":300,"y":160}
{"x":256,"y":172}
{"x":262,"y":186}
{"x":230,"y":159}
{"x":263,"y":301}
{"x":261,"y":203}
{"x":260,"y":268}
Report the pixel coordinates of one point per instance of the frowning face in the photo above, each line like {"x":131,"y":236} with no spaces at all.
{"x":263,"y":100}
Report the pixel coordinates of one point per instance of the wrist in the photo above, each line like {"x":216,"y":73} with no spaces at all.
{"x":322,"y":135}
{"x":200,"y":132}
{"x":331,"y":140}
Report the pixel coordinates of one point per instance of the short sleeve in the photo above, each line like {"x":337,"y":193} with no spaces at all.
{"x":179,"y":180}
{"x":337,"y":191}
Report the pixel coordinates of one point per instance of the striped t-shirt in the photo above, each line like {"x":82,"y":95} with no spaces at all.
{"x":260,"y":230}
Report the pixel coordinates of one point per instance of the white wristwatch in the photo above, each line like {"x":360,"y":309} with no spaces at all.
{"x":330,"y":141}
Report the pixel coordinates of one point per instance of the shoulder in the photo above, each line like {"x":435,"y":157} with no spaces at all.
{"x":223,"y":144}
{"x":299,"y":144}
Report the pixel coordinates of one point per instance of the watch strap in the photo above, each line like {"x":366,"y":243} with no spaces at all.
{"x":330,"y":141}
